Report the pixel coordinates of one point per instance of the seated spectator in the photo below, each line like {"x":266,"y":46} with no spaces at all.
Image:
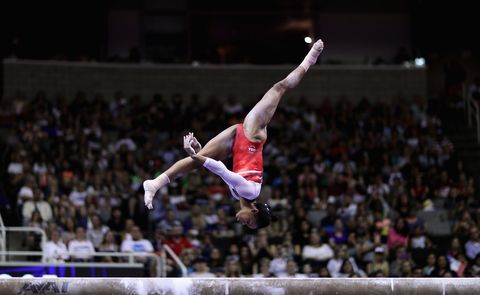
{"x":347,"y":271}
{"x":201,"y":269}
{"x":169,"y":222}
{"x":398,"y":235}
{"x":137,"y":244}
{"x":116,"y":222}
{"x":443,"y":268}
{"x":26,"y":191}
{"x":55,"y":251}
{"x":260,"y":247}
{"x":36,"y":220}
{"x":37,"y":204}
{"x":472,"y":246}
{"x":82,"y":247}
{"x":339,"y":234}
{"x":292,"y":270}
{"x":78,"y":195}
{"x":401,"y":255}
{"x":196,"y":220}
{"x":177,"y":241}
{"x":97,"y":232}
{"x":68,"y":230}
{"x":430,"y":268}
{"x":317,"y":250}
{"x":109,"y":245}
{"x":334,"y":265}
{"x":246,"y":261}
{"x":232,"y":269}
{"x":264,"y":269}
{"x":278,"y":265}
{"x":419,"y":240}
{"x":216,"y":263}
{"x":233,"y":252}
{"x":379,"y":263}
{"x":406,"y":269}
{"x":474,"y":268}
{"x":323,"y":273}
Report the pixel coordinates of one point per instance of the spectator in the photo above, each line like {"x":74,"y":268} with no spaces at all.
{"x":472,"y":247}
{"x":232,"y":269}
{"x":278,"y":266}
{"x":379,"y":263}
{"x":347,"y":270}
{"x":216,"y":263}
{"x":37,"y":204}
{"x":177,"y":241}
{"x":201,"y":269}
{"x":430,"y":268}
{"x":292,"y":270}
{"x":264,"y":269}
{"x":55,"y":251}
{"x":97,"y":232}
{"x":78,"y":195}
{"x":443,"y":268}
{"x":137,"y":243}
{"x":316,"y":250}
{"x":82,"y":247}
{"x":246,"y":261}
{"x":109,"y":245}
{"x":398,"y":235}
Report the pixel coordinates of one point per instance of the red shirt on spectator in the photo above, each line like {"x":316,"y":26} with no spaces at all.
{"x":178,"y":244}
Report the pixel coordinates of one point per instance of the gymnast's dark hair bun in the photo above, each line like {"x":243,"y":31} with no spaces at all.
{"x":264,"y":215}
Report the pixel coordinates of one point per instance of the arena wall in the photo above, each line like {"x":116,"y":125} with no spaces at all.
{"x":244,"y":82}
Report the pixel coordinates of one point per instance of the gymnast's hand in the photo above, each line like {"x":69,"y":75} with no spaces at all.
{"x":187,"y":144}
{"x":194,"y":143}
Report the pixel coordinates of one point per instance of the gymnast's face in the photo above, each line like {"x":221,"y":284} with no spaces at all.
{"x":247,"y":216}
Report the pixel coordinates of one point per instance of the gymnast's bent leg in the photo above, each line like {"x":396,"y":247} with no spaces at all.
{"x":219,"y":147}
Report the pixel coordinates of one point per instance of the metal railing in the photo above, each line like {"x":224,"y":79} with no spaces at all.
{"x":160,"y":259}
{"x":177,"y":260}
{"x":3,"y":238}
{"x":160,"y":264}
{"x":472,"y":111}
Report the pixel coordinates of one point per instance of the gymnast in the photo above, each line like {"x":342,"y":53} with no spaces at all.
{"x":245,"y":142}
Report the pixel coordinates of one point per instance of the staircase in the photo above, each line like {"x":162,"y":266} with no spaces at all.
{"x":467,"y":149}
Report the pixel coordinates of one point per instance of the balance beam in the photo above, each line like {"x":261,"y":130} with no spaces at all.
{"x":229,"y":286}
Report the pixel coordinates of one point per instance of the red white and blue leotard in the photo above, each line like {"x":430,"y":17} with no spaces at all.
{"x":247,"y":156}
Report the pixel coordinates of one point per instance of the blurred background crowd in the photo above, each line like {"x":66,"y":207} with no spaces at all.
{"x":358,"y":189}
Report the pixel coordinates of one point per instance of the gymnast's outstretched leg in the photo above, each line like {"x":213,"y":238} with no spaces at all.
{"x":257,"y":119}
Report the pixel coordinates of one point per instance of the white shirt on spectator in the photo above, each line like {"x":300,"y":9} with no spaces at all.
{"x":55,"y":252}
{"x":84,"y":246}
{"x":78,"y":198}
{"x":137,"y":246}
{"x":15,"y":168}
{"x":323,"y":252}
{"x":472,"y":249}
{"x":42,"y":206}
{"x":278,"y":266}
{"x":202,"y":275}
{"x":24,"y":193}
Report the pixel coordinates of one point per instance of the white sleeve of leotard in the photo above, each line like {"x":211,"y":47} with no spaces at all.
{"x":217,"y":167}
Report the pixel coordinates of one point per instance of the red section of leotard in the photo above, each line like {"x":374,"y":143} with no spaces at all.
{"x":247,"y":157}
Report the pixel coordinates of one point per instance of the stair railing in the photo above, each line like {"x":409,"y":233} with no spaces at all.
{"x":473,"y":111}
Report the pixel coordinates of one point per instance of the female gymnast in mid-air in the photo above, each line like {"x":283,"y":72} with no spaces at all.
{"x":245,"y":141}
